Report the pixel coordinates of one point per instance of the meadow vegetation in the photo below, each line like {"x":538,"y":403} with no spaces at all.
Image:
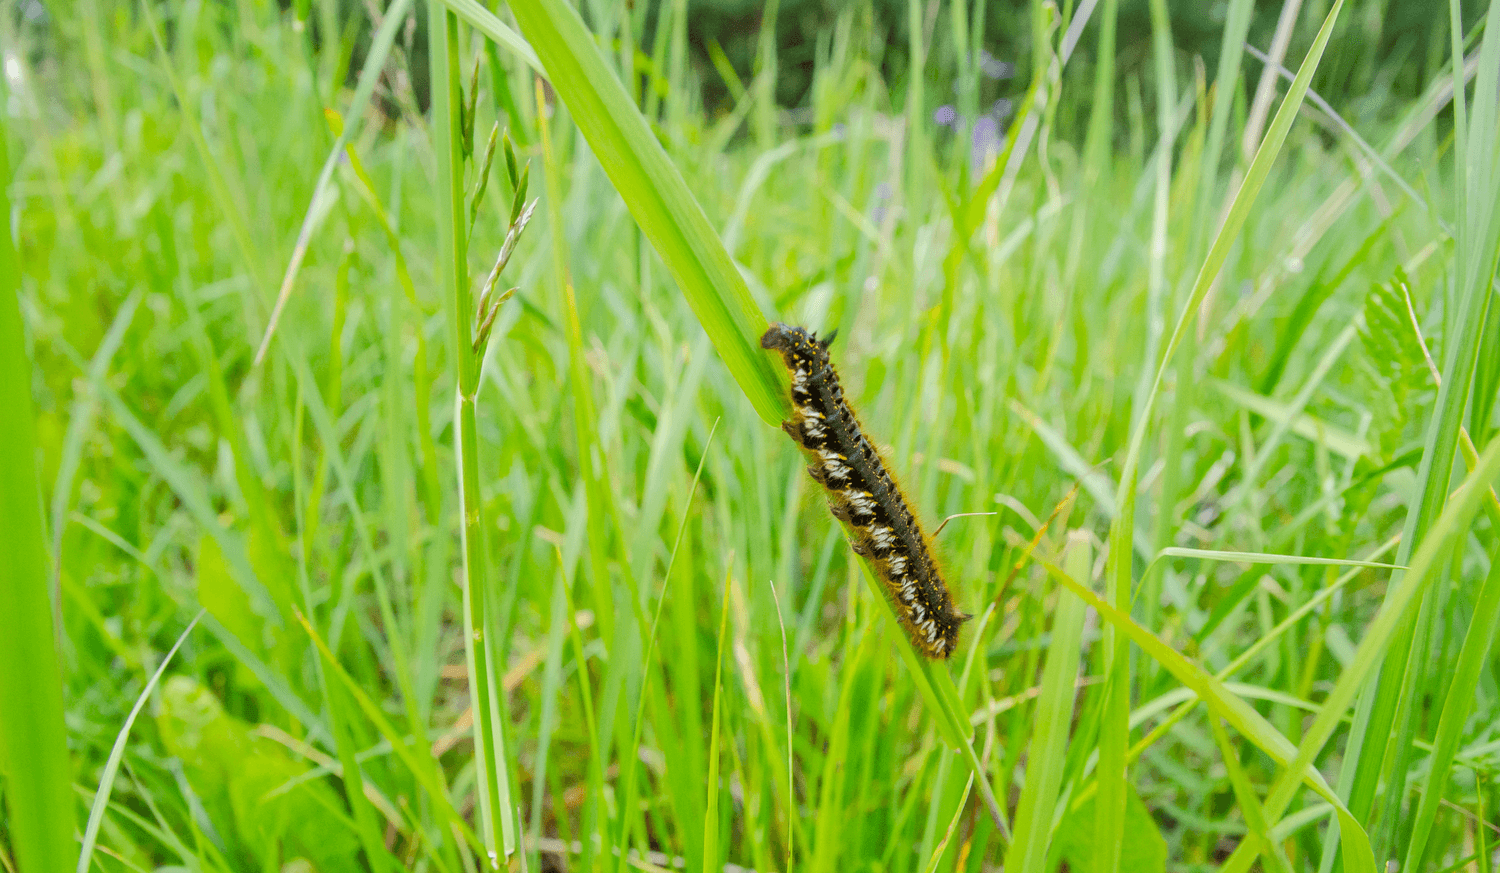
{"x":359,"y":566}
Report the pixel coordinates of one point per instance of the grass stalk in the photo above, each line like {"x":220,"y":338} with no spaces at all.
{"x":495,"y":820}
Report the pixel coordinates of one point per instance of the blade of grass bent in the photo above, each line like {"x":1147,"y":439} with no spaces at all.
{"x":656,"y":195}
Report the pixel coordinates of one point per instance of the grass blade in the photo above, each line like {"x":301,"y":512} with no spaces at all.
{"x":33,"y":739}
{"x":117,"y":753}
{"x":711,"y":850}
{"x":1114,"y":730}
{"x":1394,"y":612}
{"x":380,"y":47}
{"x":495,"y":823}
{"x":1225,"y":704}
{"x":1477,"y":237}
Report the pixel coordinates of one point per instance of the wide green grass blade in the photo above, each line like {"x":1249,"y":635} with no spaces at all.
{"x":33,"y":740}
{"x":655,"y":194}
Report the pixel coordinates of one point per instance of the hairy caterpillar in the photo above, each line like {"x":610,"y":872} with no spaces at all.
{"x":863,"y":494}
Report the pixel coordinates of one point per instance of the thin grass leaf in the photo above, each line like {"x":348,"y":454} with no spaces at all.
{"x":711,"y":850}
{"x":117,"y":752}
{"x":1114,"y":731}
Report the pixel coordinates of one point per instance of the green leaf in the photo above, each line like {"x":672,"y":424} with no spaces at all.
{"x":1143,"y":848}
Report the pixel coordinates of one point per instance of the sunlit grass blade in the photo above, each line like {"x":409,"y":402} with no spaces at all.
{"x":655,"y":193}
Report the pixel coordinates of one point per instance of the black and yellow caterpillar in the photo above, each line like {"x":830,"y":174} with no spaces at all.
{"x":863,"y":494}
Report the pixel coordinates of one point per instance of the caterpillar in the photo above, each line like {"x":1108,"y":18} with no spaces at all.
{"x":863,"y":494}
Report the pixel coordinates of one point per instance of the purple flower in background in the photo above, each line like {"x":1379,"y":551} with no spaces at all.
{"x":984,"y":141}
{"x":994,"y":68}
{"x":881,"y":194}
{"x":945,"y":115}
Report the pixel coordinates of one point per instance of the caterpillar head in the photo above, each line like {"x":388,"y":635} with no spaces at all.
{"x":800,"y":348}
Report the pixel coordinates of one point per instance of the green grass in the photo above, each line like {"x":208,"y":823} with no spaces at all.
{"x":570,"y":600}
